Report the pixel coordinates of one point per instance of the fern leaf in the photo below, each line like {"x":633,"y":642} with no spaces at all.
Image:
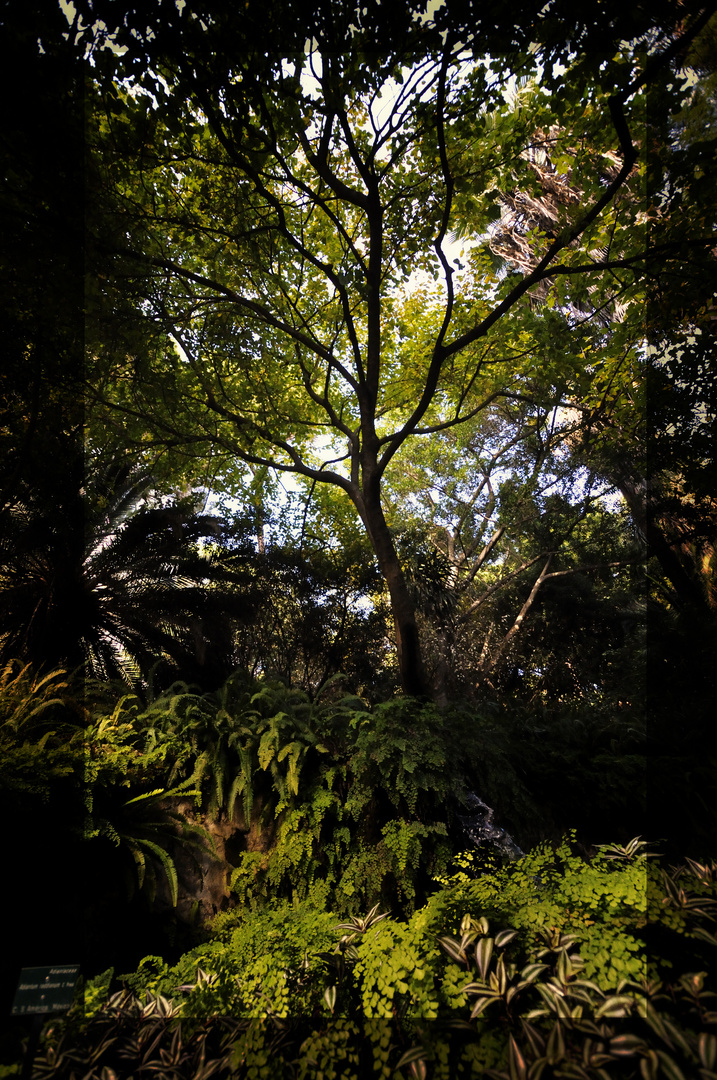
{"x":166,"y":862}
{"x":140,"y":862}
{"x":147,"y":795}
{"x":236,"y":789}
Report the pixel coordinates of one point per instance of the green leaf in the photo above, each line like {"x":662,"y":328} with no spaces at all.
{"x":670,"y":1067}
{"x":416,"y":1053}
{"x":483,"y":953}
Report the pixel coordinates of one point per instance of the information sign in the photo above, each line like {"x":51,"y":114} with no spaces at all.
{"x":45,"y":989}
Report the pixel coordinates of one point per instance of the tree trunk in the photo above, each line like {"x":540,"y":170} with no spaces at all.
{"x":408,"y":645}
{"x":492,"y":661}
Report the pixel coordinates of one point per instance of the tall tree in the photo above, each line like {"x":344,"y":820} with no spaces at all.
{"x":659,"y":358}
{"x":281,"y":214}
{"x":501,"y":513}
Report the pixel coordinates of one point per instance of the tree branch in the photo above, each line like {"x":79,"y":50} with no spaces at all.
{"x":499,"y":585}
{"x":485,"y":671}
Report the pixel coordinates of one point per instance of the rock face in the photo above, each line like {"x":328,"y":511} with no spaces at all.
{"x":203,"y":875}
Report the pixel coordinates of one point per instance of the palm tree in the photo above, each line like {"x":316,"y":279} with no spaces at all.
{"x":106,"y":578}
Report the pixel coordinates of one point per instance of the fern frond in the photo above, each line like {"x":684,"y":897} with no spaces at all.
{"x":237,"y":786}
{"x":166,"y":862}
{"x":106,"y":828}
{"x":146,"y":795}
{"x":140,"y":862}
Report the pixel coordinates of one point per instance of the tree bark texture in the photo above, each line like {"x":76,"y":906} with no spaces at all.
{"x":408,"y":645}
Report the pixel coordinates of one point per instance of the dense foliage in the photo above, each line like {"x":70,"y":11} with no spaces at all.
{"x":357,"y":532}
{"x":598,"y":971}
{"x":336,"y":806}
{"x":275,"y":234}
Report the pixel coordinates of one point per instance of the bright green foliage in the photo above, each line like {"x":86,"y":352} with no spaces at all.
{"x":40,"y":731}
{"x":392,"y":970}
{"x":366,"y":815}
{"x":352,"y":802}
{"x":402,"y":748}
{"x":449,"y":995}
{"x":144,"y":824}
{"x":331,"y":1053}
{"x":275,"y":240}
{"x":223,"y":739}
{"x":602,"y":903}
{"x":96,"y":992}
{"x":546,"y":896}
{"x":263,"y":963}
{"x":352,"y":805}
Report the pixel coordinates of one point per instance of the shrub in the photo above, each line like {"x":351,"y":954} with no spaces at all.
{"x":452,"y":991}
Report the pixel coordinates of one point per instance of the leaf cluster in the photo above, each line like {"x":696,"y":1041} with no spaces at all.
{"x":415,"y":998}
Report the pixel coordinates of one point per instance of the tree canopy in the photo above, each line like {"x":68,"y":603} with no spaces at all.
{"x":399,"y":374}
{"x":298,"y":250}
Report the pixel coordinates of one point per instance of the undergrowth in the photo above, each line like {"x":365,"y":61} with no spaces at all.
{"x":544,"y":968}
